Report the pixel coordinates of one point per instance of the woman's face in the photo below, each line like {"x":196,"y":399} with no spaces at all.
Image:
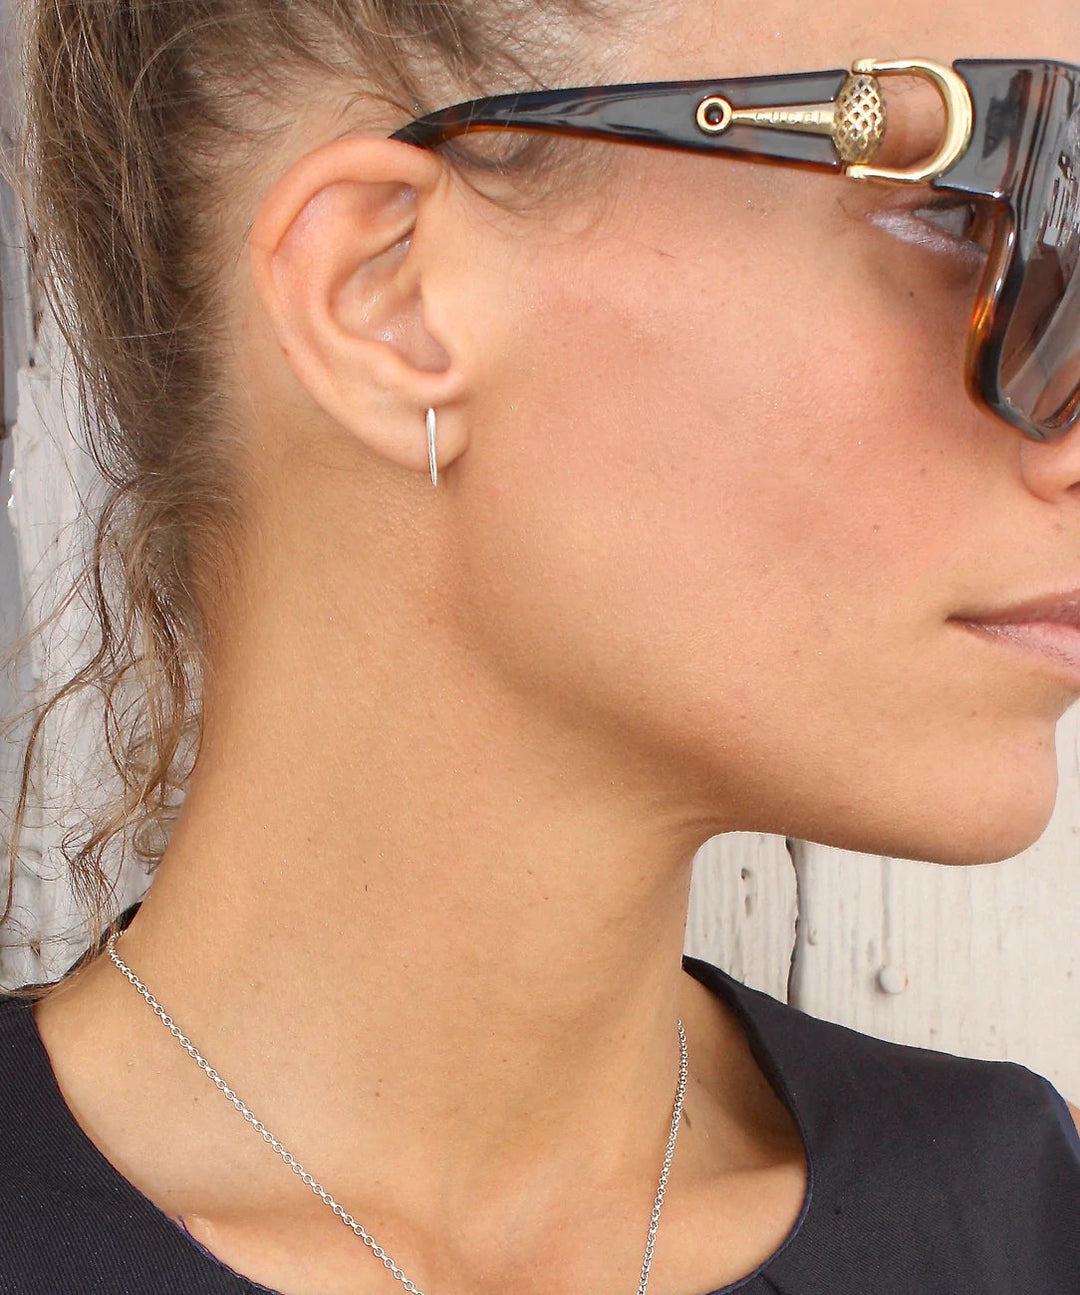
{"x":726,"y":493}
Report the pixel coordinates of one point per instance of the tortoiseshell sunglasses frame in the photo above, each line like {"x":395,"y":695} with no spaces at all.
{"x":1006,"y":124}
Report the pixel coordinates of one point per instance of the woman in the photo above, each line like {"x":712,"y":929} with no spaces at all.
{"x":718,"y":541}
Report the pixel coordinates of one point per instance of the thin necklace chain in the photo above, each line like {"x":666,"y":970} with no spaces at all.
{"x":352,"y":1224}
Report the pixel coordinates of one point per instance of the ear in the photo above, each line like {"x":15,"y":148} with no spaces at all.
{"x":335,"y":267}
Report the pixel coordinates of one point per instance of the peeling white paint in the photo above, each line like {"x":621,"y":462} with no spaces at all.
{"x":53,"y":486}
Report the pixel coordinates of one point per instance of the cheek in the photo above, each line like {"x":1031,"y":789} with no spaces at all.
{"x":751,"y":409}
{"x":721,"y":494}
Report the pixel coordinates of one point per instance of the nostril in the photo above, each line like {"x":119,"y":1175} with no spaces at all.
{"x":1051,"y":469}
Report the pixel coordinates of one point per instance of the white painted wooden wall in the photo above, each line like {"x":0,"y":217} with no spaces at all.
{"x":981,"y":960}
{"x":976,"y":960}
{"x":49,"y":493}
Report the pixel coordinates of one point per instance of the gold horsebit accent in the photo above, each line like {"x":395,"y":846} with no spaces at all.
{"x":857,"y":118}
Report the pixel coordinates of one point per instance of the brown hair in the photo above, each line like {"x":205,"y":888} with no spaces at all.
{"x":142,"y":116}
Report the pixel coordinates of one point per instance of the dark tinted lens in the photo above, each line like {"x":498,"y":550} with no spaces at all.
{"x":1040,"y":365}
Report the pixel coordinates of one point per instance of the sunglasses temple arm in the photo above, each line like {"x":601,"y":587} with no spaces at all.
{"x":664,"y":114}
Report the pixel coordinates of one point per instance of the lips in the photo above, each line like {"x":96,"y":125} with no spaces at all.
{"x":1046,"y":630}
{"x":1055,"y":609}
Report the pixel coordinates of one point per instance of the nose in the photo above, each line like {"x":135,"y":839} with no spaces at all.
{"x":1051,"y":469}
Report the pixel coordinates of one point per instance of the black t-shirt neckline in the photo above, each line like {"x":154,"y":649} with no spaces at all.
{"x":927,"y":1172}
{"x":83,"y":1152}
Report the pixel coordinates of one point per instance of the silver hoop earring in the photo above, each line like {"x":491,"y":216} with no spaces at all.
{"x":432,"y":464}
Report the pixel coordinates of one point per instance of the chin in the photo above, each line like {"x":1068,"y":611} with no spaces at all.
{"x":988,"y":843}
{"x":954,"y":844}
{"x":983,"y":812}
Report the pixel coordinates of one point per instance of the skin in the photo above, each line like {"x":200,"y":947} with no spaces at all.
{"x":690,"y":568}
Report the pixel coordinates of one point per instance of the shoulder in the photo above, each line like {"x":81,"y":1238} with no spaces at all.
{"x":21,"y":1076}
{"x":28,"y":1149}
{"x":34,"y":1133}
{"x":930,"y":1114}
{"x":69,"y":1221}
{"x":17,"y":1039}
{"x":922,"y":1161}
{"x":1074,"y":1111}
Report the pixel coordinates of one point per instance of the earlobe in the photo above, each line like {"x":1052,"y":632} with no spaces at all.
{"x":334,"y":266}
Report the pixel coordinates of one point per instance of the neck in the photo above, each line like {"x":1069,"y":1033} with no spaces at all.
{"x":429,"y":925}
{"x":469,"y":928}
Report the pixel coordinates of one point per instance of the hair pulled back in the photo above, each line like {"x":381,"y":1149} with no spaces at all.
{"x":142,"y":118}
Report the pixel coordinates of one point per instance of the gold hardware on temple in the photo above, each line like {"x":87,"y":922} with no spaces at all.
{"x":959,"y":119}
{"x":861,"y":118}
{"x":857,"y":119}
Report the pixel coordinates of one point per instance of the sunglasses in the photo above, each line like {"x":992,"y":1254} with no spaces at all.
{"x":1011,"y":141}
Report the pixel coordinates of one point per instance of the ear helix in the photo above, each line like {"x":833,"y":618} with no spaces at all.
{"x":432,"y":464}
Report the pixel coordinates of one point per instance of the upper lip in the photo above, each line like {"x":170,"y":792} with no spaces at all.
{"x":1054,"y":609}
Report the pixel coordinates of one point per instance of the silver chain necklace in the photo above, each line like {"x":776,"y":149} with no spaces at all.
{"x":324,"y":1195}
